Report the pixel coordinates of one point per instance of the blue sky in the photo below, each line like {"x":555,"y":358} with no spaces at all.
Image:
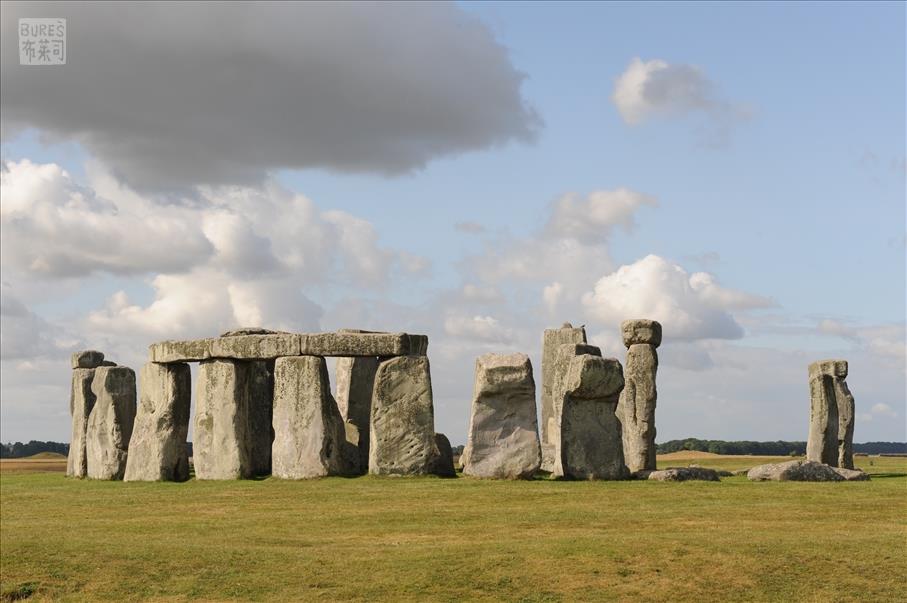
{"x":773,"y":145}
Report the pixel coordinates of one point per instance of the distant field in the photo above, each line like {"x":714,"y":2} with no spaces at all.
{"x":387,"y":539}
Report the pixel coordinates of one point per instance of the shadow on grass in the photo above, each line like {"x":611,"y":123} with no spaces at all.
{"x":885,"y":475}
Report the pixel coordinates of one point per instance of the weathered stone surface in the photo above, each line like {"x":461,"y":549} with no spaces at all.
{"x":194,"y":350}
{"x":363,"y":344}
{"x":87,"y":359}
{"x":740,"y":471}
{"x":846,"y":410}
{"x":852,"y":475}
{"x":641,"y":330}
{"x":355,"y":382}
{"x":309,"y":433}
{"x":402,"y":439}
{"x":108,"y":363}
{"x":682,"y":474}
{"x":503,"y":439}
{"x":442,"y":464}
{"x":559,"y":359}
{"x":794,"y":471}
{"x":636,"y":409}
{"x":221,"y":448}
{"x":81,"y":402}
{"x":351,"y":459}
{"x":157,"y":449}
{"x":250,"y":331}
{"x":551,"y":340}
{"x":110,"y":422}
{"x":588,"y":436}
{"x":261,"y":407}
{"x":822,"y":443}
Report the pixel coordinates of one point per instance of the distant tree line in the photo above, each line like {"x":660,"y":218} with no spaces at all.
{"x":777,"y":448}
{"x":19,"y":450}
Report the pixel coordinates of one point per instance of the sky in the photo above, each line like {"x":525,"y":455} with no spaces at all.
{"x":474,"y":172}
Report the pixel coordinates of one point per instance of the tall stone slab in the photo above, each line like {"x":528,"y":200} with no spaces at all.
{"x":403,"y":420}
{"x":81,"y":402}
{"x":221,"y":448}
{"x":157,"y":449}
{"x":830,"y":439}
{"x":503,"y":438}
{"x":110,"y":422}
{"x":636,"y":409}
{"x":309,"y":433}
{"x":355,"y":383}
{"x":261,"y":411}
{"x":588,"y":443}
{"x":551,"y":341}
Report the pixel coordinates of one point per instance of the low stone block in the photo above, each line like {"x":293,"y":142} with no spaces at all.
{"x":795,"y":471}
{"x":309,"y":433}
{"x":81,"y":402}
{"x":503,"y":439}
{"x":110,"y":422}
{"x":157,"y":449}
{"x":641,"y":331}
{"x":683,"y":474}
{"x":852,"y":475}
{"x":87,"y":359}
{"x":402,"y":438}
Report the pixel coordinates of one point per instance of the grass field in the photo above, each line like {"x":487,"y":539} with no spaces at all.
{"x":369,"y":539}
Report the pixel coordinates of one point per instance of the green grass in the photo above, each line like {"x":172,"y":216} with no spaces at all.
{"x":369,"y":539}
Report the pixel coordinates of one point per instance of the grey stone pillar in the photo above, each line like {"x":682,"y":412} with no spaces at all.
{"x":403,"y":421}
{"x":157,"y":449}
{"x":355,"y":382}
{"x":831,"y":414}
{"x":221,"y":448}
{"x":588,"y":441}
{"x":636,"y":409}
{"x":551,"y":341}
{"x":81,"y":402}
{"x":503,"y":438}
{"x":110,"y":422}
{"x":309,"y":433}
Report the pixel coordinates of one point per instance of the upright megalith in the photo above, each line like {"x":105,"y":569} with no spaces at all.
{"x":355,"y":382}
{"x":81,"y":402}
{"x":503,"y":438}
{"x":402,"y":438}
{"x":309,"y":433}
{"x":442,"y":464}
{"x":551,"y":341}
{"x":157,"y":449}
{"x":831,"y":415}
{"x":221,"y":448}
{"x":110,"y":422}
{"x":261,"y":412}
{"x":636,"y":409}
{"x":588,"y":436}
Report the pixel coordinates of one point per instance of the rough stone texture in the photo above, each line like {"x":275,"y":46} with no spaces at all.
{"x":355,"y":382}
{"x":503,"y":438}
{"x":351,"y":460}
{"x":221,"y":448}
{"x":641,"y":330}
{"x":551,"y":340}
{"x":87,"y":359}
{"x":81,"y":402}
{"x":309,"y":433}
{"x":402,"y":438}
{"x":110,"y":422}
{"x":636,"y":409}
{"x":559,"y":357}
{"x":107,"y":363}
{"x":822,"y":443}
{"x":442,"y":464}
{"x":846,"y":411}
{"x":261,"y":406}
{"x":682,"y":474}
{"x":194,"y":350}
{"x":588,"y":436}
{"x":347,"y":343}
{"x":794,"y":471}
{"x":250,"y":331}
{"x":157,"y":449}
{"x":255,"y":347}
{"x":852,"y":475}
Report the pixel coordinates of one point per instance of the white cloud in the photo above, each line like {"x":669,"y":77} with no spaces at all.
{"x":478,"y":328}
{"x":887,"y":341}
{"x":688,"y":306}
{"x":592,"y":219}
{"x":882,"y":409}
{"x":551,"y":295}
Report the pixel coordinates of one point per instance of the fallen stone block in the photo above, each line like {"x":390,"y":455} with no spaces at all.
{"x":852,"y":475}
{"x":683,"y":474}
{"x":795,"y":471}
{"x":110,"y":422}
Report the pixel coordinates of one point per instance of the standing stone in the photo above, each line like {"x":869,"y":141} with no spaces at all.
{"x":81,"y":402}
{"x":442,"y":465}
{"x":552,"y":340}
{"x":588,"y":439}
{"x":503,"y":439}
{"x":822,"y":444}
{"x":221,"y":447}
{"x":261,"y":409}
{"x":846,"y":412}
{"x":403,"y":419}
{"x":563,"y":355}
{"x":309,"y":433}
{"x":355,"y":382}
{"x":157,"y":449}
{"x":110,"y":422}
{"x":636,"y":409}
